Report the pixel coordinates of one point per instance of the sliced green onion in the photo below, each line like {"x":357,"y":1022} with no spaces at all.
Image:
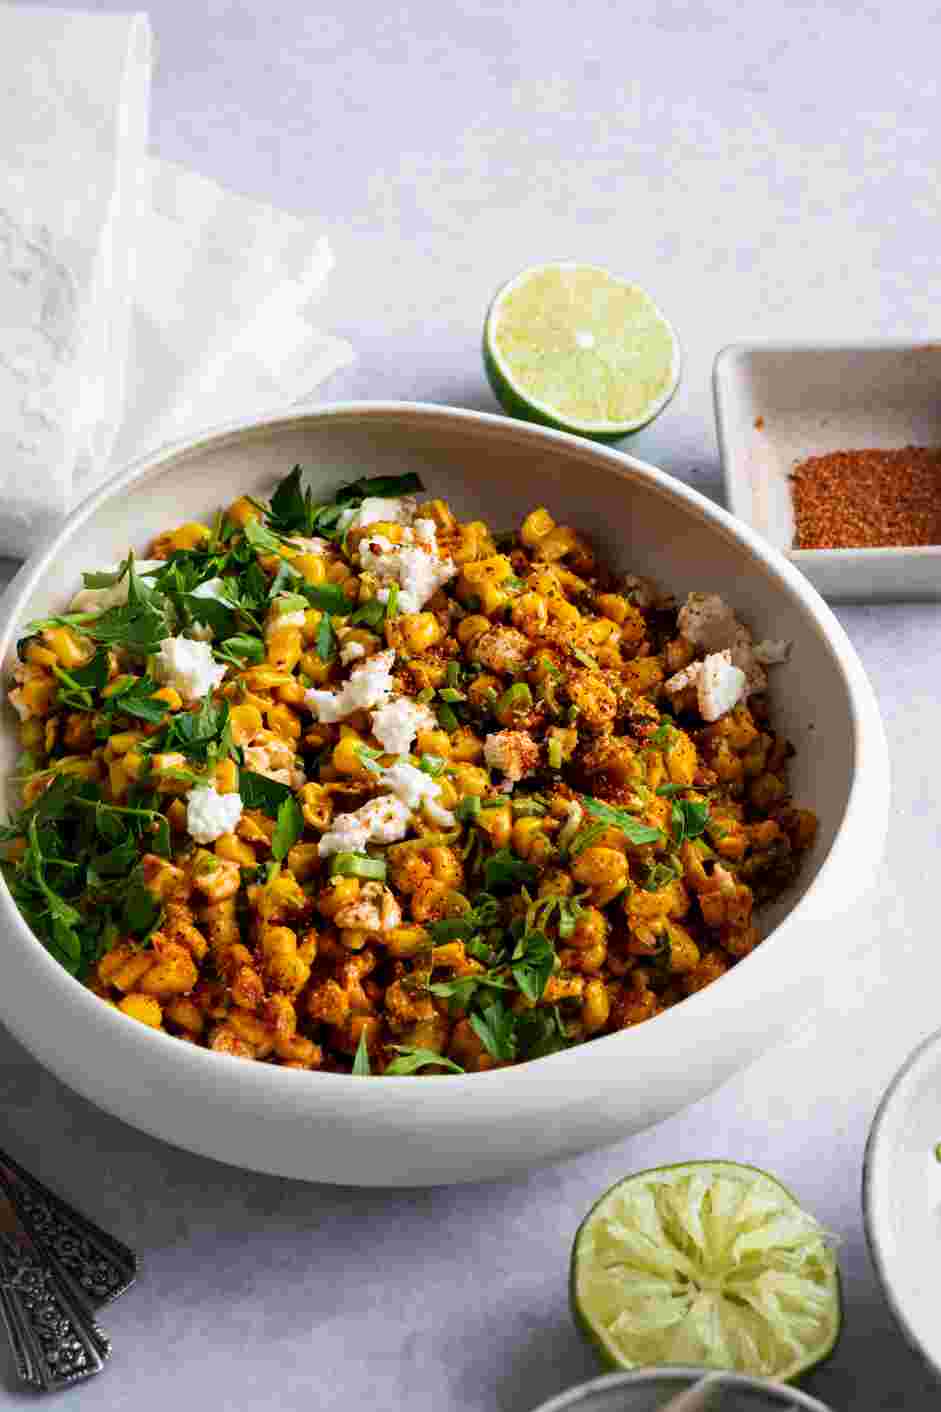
{"x":522,"y":808}
{"x":584,"y":658}
{"x":452,"y":674}
{"x":432,"y":765}
{"x":515,"y":700}
{"x":490,"y":699}
{"x":357,"y":865}
{"x":392,"y":602}
{"x":555,"y":754}
{"x":447,"y":719}
{"x":467,"y":809}
{"x":426,"y":694}
{"x":450,"y":693}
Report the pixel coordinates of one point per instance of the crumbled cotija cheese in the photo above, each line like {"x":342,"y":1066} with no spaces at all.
{"x":413,"y":564}
{"x":416,"y":789}
{"x":396,"y":724}
{"x":513,"y":752}
{"x":369,"y":685}
{"x":209,"y":814}
{"x":189,"y":667}
{"x":719,"y":684}
{"x":382,"y":820}
{"x":377,"y":510}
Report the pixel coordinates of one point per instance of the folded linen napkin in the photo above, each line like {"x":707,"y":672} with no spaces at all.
{"x":139,"y":302}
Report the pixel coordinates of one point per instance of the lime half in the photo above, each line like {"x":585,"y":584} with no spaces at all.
{"x":574,"y":347}
{"x":706,"y":1262}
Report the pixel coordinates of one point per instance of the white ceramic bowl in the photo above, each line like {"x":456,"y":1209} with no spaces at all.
{"x":388,"y":1131}
{"x":651,"y":1389}
{"x":778,"y":403}
{"x":902,"y":1198}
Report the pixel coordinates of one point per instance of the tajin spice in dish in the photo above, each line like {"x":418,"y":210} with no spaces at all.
{"x":868,"y":499}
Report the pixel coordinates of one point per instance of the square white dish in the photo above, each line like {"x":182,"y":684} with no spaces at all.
{"x":778,"y":403}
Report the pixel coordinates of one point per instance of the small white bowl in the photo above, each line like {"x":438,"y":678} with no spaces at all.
{"x":902,"y":1199}
{"x":393,"y":1131}
{"x":649,"y":1390}
{"x":778,"y":403}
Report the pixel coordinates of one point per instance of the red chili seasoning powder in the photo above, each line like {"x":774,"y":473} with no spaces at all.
{"x":868,"y":499}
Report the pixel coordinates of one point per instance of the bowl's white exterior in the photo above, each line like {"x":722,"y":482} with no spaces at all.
{"x":334,"y":1128}
{"x":902,"y":1198}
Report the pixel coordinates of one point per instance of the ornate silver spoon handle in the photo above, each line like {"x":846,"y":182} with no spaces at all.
{"x":54,"y":1339}
{"x":99,"y":1267}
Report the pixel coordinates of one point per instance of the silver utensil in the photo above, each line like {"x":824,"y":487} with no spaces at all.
{"x":54,"y":1338}
{"x":92,"y":1264}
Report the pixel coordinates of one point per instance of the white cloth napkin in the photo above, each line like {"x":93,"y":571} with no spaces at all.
{"x":139,"y":302}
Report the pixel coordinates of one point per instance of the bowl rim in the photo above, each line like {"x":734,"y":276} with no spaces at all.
{"x":739,"y":352}
{"x":574,"y":1396}
{"x":861,"y":833}
{"x":876,"y":1175}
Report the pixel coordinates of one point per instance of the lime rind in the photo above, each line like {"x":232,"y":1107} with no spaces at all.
{"x":542,"y":356}
{"x":706,"y":1262}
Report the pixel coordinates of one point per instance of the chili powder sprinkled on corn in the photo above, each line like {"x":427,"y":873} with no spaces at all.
{"x":868,"y":499}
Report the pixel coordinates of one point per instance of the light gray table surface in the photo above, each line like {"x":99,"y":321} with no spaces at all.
{"x":764,"y":169}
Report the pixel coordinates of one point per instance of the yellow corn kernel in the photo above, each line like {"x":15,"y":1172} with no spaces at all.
{"x":498,"y":823}
{"x":316,"y":805}
{"x":232,"y":847}
{"x":560,"y":610}
{"x":226,"y":777}
{"x":311,"y":567}
{"x":284,"y":648}
{"x":445,"y":865}
{"x":130,"y":971}
{"x":530,"y":613}
{"x":346,"y":758}
{"x":70,"y":649}
{"x":482,"y":577}
{"x":161,"y":764}
{"x":465,"y":745}
{"x":176,"y":815}
{"x":470,"y":779}
{"x":596,"y":1007}
{"x":188,"y":536}
{"x":419,"y":631}
{"x":537,"y":524}
{"x":339,"y":893}
{"x":681,"y":759}
{"x":643,"y":675}
{"x":292,"y":693}
{"x":406,"y":941}
{"x":433,"y":742}
{"x":37,"y":693}
{"x":41,"y":656}
{"x":241,"y":511}
{"x":471,"y":628}
{"x":603,"y":869}
{"x":304,"y":860}
{"x":255,"y":827}
{"x":315,"y":668}
{"x":529,"y":839}
{"x":556,"y":544}
{"x":170,"y":697}
{"x":245,"y":721}
{"x":613,"y":606}
{"x":124,"y":741}
{"x":265,"y":678}
{"x":186,"y":1013}
{"x":283,"y":721}
{"x":473,"y":542}
{"x":111,"y":963}
{"x":143,"y":1008}
{"x":173,"y":973}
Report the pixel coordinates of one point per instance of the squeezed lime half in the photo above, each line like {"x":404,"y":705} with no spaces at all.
{"x":706,"y":1262}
